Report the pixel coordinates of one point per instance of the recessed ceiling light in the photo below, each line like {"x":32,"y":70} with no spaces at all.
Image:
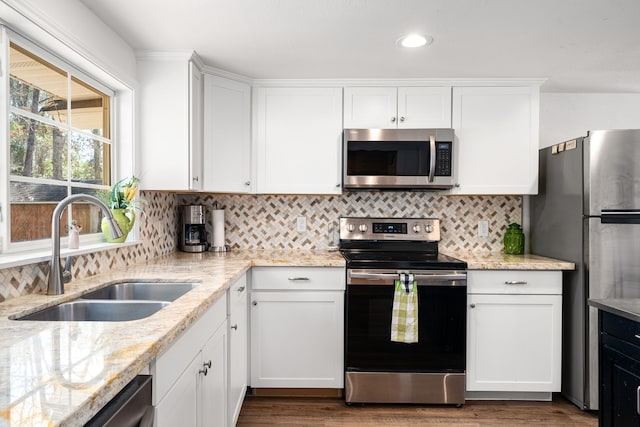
{"x":415,"y":40}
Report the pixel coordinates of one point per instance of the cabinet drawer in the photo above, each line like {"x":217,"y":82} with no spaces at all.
{"x":238,"y":291}
{"x":622,"y":328}
{"x":298,"y":278}
{"x":168,"y":367}
{"x":514,"y":282}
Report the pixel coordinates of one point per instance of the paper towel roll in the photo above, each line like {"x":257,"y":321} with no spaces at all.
{"x":218,"y":227}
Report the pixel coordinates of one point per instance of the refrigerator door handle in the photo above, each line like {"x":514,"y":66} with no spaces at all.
{"x":620,"y":217}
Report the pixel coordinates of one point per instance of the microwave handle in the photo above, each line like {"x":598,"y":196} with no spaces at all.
{"x":432,"y":157}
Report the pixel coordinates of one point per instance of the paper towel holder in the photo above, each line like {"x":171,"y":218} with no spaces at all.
{"x":219,"y":248}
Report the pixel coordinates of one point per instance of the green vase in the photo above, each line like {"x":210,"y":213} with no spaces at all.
{"x":514,"y":240}
{"x":124,"y":218}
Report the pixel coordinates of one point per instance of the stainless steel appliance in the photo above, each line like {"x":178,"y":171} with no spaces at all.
{"x":432,"y":370}
{"x":193,"y":234}
{"x":132,"y":407}
{"x":398,"y":159}
{"x":588,"y":212}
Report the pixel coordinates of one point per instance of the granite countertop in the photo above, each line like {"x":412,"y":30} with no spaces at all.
{"x":62,"y":373}
{"x":628,"y":308}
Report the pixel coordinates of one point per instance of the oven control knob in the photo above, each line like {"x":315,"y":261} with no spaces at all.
{"x":416,"y":228}
{"x":351,"y":227}
{"x":428,"y":228}
{"x":363,"y":228}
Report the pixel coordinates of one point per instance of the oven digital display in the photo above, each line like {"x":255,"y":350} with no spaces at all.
{"x":390,"y":228}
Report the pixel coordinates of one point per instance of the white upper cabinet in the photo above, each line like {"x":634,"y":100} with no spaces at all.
{"x":297,"y":136}
{"x":170,"y":122}
{"x":497,"y":135}
{"x":403,"y":107}
{"x":227,"y":135}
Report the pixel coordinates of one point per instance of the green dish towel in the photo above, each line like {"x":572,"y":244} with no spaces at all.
{"x":404,"y":317}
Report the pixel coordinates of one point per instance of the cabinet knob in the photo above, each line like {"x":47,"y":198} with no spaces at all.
{"x":254,"y":303}
{"x":338,"y":185}
{"x":234,"y":327}
{"x":393,"y":119}
{"x":456,"y":185}
{"x":195,"y":178}
{"x":472,"y":305}
{"x":207,"y":364}
{"x":402,"y":119}
{"x":247,"y":183}
{"x":204,"y":371}
{"x":241,"y":289}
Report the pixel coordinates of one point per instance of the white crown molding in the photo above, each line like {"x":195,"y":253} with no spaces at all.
{"x":227,"y":74}
{"x":486,"y":82}
{"x":165,"y":55}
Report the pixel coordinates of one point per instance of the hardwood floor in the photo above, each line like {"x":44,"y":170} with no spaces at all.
{"x":332,"y":412}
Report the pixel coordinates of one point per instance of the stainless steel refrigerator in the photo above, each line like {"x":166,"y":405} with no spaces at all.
{"x":588,"y":212}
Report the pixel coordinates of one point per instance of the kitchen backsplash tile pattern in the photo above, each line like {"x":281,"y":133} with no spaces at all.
{"x":157,"y":227}
{"x":269,"y":221}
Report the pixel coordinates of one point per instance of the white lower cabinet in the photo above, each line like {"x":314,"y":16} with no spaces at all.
{"x":238,"y":343}
{"x":190,"y":377}
{"x":297,"y":318}
{"x":514,"y":331}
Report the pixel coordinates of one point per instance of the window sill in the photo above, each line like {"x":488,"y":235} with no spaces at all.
{"x":23,"y":258}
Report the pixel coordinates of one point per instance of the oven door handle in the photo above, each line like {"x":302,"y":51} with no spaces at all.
{"x":418,"y":277}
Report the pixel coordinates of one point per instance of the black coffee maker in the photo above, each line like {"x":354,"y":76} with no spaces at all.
{"x":193,"y":235}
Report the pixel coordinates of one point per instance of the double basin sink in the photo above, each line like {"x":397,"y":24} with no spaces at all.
{"x":118,"y":302}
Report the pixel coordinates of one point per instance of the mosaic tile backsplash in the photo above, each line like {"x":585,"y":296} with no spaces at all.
{"x":269,"y":222}
{"x":157,"y":231}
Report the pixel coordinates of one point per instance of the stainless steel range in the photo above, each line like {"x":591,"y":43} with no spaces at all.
{"x":385,"y":257}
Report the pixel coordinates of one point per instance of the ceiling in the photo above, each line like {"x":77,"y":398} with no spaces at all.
{"x":577,"y":45}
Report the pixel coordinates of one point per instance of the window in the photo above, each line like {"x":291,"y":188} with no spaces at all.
{"x":59,"y":125}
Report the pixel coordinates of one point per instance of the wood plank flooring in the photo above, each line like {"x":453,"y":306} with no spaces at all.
{"x":332,"y":412}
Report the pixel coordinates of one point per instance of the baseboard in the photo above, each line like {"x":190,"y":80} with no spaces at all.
{"x":297,"y":392}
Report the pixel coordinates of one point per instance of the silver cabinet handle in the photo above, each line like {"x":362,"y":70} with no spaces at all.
{"x":402,"y":119}
{"x":234,"y":327}
{"x":638,"y":400}
{"x":432,"y":157}
{"x":247,"y":183}
{"x":337,"y":185}
{"x":254,"y":303}
{"x":241,"y":289}
{"x":472,"y":306}
{"x":393,"y":119}
{"x":195,"y":178}
{"x":205,"y":368}
{"x":298,"y":279}
{"x":515,"y":282}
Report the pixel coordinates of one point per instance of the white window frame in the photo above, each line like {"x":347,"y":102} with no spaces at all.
{"x":7,"y":37}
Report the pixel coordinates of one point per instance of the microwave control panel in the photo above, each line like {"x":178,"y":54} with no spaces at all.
{"x":444,"y":153}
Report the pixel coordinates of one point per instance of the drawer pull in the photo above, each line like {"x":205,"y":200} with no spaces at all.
{"x":515,"y":282}
{"x":637,"y":336}
{"x":241,"y":289}
{"x":298,"y":279}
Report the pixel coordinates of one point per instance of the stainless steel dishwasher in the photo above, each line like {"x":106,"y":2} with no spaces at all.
{"x":130,"y":408}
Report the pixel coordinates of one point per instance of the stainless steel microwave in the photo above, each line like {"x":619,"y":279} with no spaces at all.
{"x":398,"y":159}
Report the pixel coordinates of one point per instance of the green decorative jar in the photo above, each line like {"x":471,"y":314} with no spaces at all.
{"x":125,"y":219}
{"x":514,"y":240}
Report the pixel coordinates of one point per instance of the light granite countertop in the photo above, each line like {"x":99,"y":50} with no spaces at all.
{"x":62,"y":373}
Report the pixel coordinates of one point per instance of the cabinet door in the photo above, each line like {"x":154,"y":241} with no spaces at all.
{"x":238,"y":337}
{"x":227,"y":135}
{"x":497,"y":136}
{"x":424,"y":107}
{"x":213,"y":397}
{"x":196,"y":88}
{"x":298,"y":139}
{"x":514,"y":343}
{"x":370,"y":107}
{"x":620,"y":399}
{"x":179,"y":407}
{"x":297,"y":339}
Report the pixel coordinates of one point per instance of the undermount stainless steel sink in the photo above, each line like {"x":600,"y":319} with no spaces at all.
{"x":154,"y":291}
{"x":98,"y":311}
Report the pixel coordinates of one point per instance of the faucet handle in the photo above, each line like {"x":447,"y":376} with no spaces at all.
{"x":66,"y":276}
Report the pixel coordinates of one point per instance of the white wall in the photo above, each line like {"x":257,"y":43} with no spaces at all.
{"x":564,"y":116}
{"x":81,"y":37}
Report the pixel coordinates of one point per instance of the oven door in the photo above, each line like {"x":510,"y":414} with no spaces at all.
{"x":441,"y":345}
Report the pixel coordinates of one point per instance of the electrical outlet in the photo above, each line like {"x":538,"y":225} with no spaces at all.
{"x":483,"y":228}
{"x":301,"y":224}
